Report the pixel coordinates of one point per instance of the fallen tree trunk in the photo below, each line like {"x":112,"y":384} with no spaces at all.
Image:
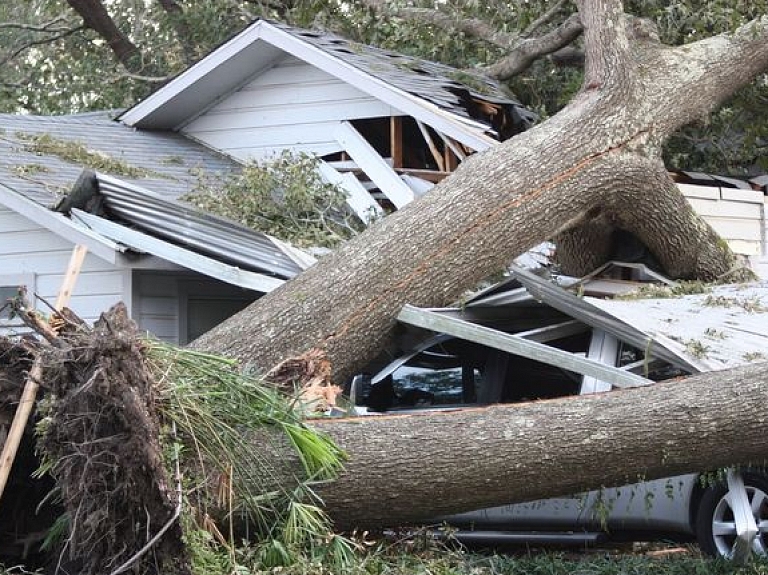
{"x":411,"y":468}
{"x":598,"y":160}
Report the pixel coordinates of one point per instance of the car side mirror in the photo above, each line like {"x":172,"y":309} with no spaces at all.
{"x":359,"y":388}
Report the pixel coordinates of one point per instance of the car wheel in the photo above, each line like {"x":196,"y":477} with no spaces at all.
{"x":715,"y":524}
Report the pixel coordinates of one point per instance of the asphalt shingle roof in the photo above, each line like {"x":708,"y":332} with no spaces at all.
{"x":448,"y":88}
{"x":169,"y":164}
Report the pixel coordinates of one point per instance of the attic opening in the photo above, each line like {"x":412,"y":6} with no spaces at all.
{"x":412,"y":149}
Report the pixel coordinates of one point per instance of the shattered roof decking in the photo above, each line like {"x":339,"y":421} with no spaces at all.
{"x":723,"y":328}
{"x":436,"y":83}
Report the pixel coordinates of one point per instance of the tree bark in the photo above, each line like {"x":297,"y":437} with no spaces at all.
{"x":412,"y":468}
{"x":96,"y":17}
{"x":599,"y":155}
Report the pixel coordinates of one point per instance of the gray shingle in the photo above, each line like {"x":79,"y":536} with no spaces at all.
{"x":171,"y":162}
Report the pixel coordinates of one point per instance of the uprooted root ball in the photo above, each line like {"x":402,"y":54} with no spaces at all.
{"x":102,"y":437}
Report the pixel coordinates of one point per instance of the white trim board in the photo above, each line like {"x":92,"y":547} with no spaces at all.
{"x":466,"y":131}
{"x":369,"y":160}
{"x":60,"y":225}
{"x":181,"y":256}
{"x":519,"y":346}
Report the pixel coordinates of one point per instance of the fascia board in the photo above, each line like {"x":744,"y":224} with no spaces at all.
{"x":406,"y":103}
{"x":194,"y":73}
{"x":60,"y":225}
{"x":467,"y":132}
{"x":181,"y":256}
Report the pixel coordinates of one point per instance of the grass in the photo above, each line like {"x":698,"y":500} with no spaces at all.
{"x":410,"y":558}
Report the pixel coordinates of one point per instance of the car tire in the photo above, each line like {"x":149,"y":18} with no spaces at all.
{"x":715,"y":526}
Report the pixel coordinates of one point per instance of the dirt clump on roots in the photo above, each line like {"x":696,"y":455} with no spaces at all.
{"x":101,"y":434}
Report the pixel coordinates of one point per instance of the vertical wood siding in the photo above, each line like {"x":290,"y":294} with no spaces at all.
{"x":291,"y":106}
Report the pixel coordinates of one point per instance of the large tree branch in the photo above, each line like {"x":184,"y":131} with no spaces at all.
{"x":96,"y":17}
{"x":526,"y":52}
{"x":709,"y":71}
{"x":606,"y":42}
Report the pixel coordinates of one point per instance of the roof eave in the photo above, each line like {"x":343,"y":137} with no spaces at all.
{"x":61,"y":225}
{"x":468,"y":132}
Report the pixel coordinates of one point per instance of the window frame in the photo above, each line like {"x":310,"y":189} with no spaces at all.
{"x":15,"y":281}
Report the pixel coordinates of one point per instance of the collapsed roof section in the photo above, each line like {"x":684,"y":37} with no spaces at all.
{"x":534,"y":317}
{"x":465,"y":106}
{"x":145,"y":222}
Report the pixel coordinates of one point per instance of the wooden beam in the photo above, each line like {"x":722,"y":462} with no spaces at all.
{"x":361,"y":202}
{"x":432,"y":147}
{"x":369,"y":160}
{"x":29,"y":394}
{"x":429,"y":175}
{"x":70,"y":279}
{"x":519,"y":346}
{"x":396,"y":140}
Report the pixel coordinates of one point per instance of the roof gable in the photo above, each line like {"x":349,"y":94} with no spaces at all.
{"x":429,"y":92}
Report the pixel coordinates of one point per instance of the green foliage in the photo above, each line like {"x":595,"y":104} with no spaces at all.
{"x":78,"y":153}
{"x":219,"y":413}
{"x":50,"y":71}
{"x":284,"y":197}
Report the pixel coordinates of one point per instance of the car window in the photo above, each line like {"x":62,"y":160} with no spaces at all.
{"x":416,"y":385}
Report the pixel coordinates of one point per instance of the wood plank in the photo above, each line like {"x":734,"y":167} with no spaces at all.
{"x":361,"y":202}
{"x":285,"y":95}
{"x":737,"y":229}
{"x":736,"y":195}
{"x":373,"y":165}
{"x":266,"y":153}
{"x":70,"y":278}
{"x":396,"y":140}
{"x":429,"y":175}
{"x":518,"y":346}
{"x":432,"y":147}
{"x":29,"y":394}
{"x":705,"y":192}
{"x":254,"y":115}
{"x":726,"y":209}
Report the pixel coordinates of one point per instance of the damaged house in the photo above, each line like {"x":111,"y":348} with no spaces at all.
{"x":386,"y":128}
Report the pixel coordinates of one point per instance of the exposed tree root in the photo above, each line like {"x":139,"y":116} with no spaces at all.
{"x":101,"y":434}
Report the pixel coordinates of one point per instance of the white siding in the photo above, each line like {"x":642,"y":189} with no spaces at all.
{"x":737,"y":215}
{"x":160,"y":300}
{"x":26,"y":249}
{"x":156,"y":305}
{"x":290,"y":106}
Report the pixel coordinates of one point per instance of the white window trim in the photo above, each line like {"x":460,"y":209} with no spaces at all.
{"x":15,"y":280}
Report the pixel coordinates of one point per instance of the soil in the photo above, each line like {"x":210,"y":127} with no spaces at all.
{"x":101,"y":432}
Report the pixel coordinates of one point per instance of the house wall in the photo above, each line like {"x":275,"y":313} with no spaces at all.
{"x":760,"y":263}
{"x":162,"y":303}
{"x":737,"y":215}
{"x":31,"y":253}
{"x":291,"y":106}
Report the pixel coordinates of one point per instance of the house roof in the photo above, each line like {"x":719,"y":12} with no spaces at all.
{"x":42,"y":156}
{"x":438,"y":95}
